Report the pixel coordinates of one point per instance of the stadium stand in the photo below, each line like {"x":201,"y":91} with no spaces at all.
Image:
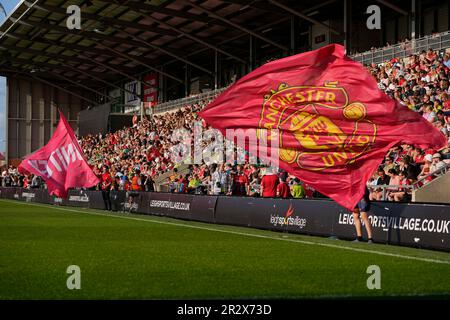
{"x":139,"y":157}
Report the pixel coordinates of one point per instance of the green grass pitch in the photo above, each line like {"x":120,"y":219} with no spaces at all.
{"x":124,"y":256}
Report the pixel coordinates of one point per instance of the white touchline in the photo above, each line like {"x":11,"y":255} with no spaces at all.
{"x":240,"y":233}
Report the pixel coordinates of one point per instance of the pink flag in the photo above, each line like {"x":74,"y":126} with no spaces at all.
{"x":61,"y":162}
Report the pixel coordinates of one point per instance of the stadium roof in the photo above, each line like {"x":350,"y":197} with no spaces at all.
{"x":120,"y":39}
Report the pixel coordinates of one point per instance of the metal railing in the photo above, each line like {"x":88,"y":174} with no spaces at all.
{"x":125,"y":108}
{"x":402,"y":50}
{"x":179,"y":103}
{"x":131,"y":109}
{"x":385,"y":188}
{"x":167,"y":106}
{"x":419,"y":183}
{"x":409,"y":188}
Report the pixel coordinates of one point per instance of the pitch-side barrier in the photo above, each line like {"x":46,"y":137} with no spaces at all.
{"x":409,"y":224}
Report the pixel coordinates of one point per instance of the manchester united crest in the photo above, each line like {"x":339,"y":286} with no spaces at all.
{"x":319,"y":127}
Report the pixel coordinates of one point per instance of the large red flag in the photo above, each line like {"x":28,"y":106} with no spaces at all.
{"x":334,"y":124}
{"x":61,"y":162}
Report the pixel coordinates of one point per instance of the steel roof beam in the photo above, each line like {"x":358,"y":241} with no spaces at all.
{"x":144,"y":64}
{"x":88,"y":74}
{"x":169,"y":12}
{"x":151,"y":45}
{"x":234,"y":38}
{"x":137,"y":42}
{"x":237,"y":26}
{"x":318,"y":6}
{"x":50,"y":55}
{"x":303,"y":16}
{"x":64,"y":45}
{"x":81,"y":33}
{"x":56,"y":86}
{"x":393,"y":7}
{"x":110,"y":21}
{"x":79,"y":84}
{"x":110,"y":53}
{"x":25,"y":62}
{"x":97,"y":36}
{"x":58,"y":66}
{"x":63,"y":89}
{"x":187,"y":35}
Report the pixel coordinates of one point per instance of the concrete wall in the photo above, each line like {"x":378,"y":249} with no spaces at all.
{"x":436,"y":191}
{"x":32,"y":114}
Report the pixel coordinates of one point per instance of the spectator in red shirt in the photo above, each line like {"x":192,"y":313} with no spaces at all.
{"x":135,"y":120}
{"x":269,"y":184}
{"x":283,"y":190}
{"x":240,"y":182}
{"x":309,"y":191}
{"x":431,"y":55}
{"x":106,"y":187}
{"x":26,"y":182}
{"x":126,"y":185}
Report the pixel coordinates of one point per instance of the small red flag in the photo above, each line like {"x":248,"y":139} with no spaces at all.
{"x":61,"y":162}
{"x":334,"y":124}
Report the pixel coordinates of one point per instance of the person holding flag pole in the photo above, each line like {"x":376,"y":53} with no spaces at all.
{"x":360,"y":211}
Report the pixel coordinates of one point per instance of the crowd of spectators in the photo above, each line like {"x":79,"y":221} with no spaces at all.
{"x":134,"y":157}
{"x":421,"y":83}
{"x":240,"y":180}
